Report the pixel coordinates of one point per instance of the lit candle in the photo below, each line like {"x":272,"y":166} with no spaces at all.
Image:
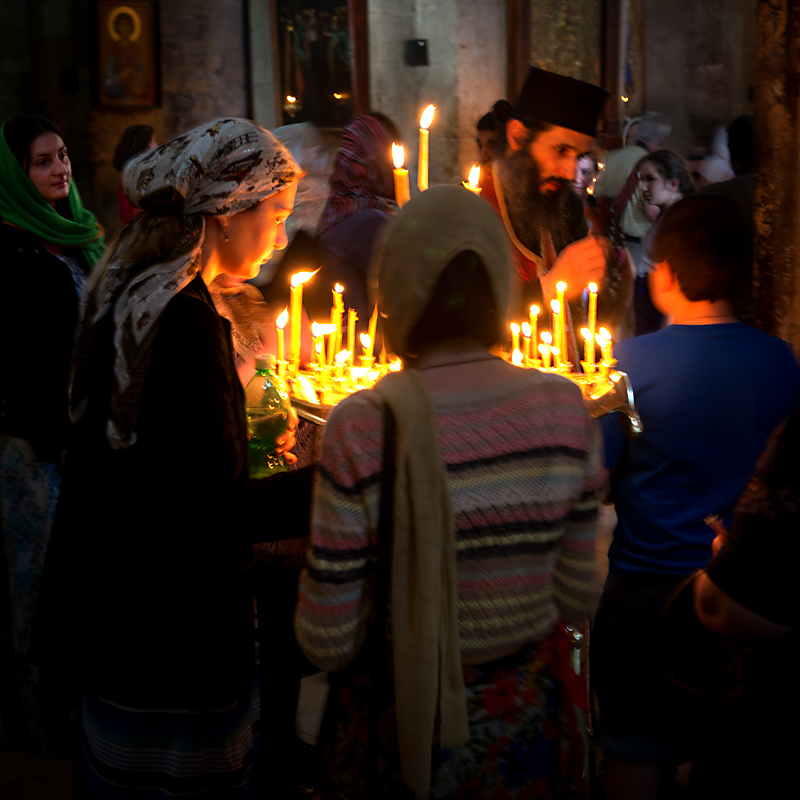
{"x":280,"y":324}
{"x":337,"y":313}
{"x":319,"y":332}
{"x":373,"y":324}
{"x":556,"y":357}
{"x":474,"y":180}
{"x":592,"y":316}
{"x":561,"y":289}
{"x":544,"y":350}
{"x":351,"y":332}
{"x":319,"y":349}
{"x":402,"y":192}
{"x":517,"y":358}
{"x":341,"y":359}
{"x":555,"y":307}
{"x":296,"y":312}
{"x":514,"y":336}
{"x":366,"y":345}
{"x":424,"y":123}
{"x":588,"y":350}
{"x":608,"y":353}
{"x":534,"y":322}
{"x":548,"y":340}
{"x":526,"y":344}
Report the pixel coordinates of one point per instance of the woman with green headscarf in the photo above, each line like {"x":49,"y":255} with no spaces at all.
{"x":48,"y":243}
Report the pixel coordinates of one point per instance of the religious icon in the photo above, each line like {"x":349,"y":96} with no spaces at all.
{"x":315,"y":58}
{"x":127,"y":68}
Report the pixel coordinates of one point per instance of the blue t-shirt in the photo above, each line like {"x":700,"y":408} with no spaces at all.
{"x":709,"y":396}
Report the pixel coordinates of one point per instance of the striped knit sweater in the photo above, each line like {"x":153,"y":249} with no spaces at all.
{"x":522,"y":460}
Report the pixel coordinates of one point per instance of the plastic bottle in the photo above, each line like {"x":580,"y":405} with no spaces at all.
{"x":267,"y":407}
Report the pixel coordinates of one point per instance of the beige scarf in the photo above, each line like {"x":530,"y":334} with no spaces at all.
{"x":429,"y":686}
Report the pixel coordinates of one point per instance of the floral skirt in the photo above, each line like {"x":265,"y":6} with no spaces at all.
{"x":527,"y":738}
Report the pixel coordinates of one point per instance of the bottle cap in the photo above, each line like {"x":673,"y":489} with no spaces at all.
{"x":265,"y":361}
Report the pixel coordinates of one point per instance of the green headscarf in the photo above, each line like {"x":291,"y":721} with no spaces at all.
{"x":23,"y":206}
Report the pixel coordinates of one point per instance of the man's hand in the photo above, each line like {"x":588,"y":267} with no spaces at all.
{"x":579,"y":264}
{"x":286,"y":441}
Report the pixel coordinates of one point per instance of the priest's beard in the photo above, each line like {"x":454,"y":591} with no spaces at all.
{"x":530,"y":212}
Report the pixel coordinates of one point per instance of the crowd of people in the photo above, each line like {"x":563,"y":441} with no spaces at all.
{"x":449,"y":517}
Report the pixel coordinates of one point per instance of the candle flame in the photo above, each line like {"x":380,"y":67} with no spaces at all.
{"x":555,"y":306}
{"x":358,"y":372}
{"x":555,"y":351}
{"x":516,"y":358}
{"x":338,"y":288}
{"x":283,"y":319}
{"x":318,"y":346}
{"x":515,"y":328}
{"x":600,"y":340}
{"x":474,"y":176}
{"x":535,"y":311}
{"x":365,"y":340}
{"x":587,"y":334}
{"x":427,"y":117}
{"x":318,"y":330}
{"x":395,"y":365}
{"x":605,"y":334}
{"x":302,"y":277}
{"x":561,"y":287}
{"x":590,"y":190}
{"x":303,"y":387}
{"x":615,"y":376}
{"x":398,"y":155}
{"x":593,"y":288}
{"x":601,"y":165}
{"x":544,"y":349}
{"x":624,"y":98}
{"x":526,"y":330}
{"x":342,"y":357}
{"x":337,"y":96}
{"x":291,"y":99}
{"x":547,"y":337}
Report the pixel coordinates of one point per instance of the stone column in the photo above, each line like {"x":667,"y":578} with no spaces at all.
{"x":777,"y":199}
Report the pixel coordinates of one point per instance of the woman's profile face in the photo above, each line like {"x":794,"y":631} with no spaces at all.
{"x":585,"y":173}
{"x":49,"y":167}
{"x":254,"y":234}
{"x":656,"y":189}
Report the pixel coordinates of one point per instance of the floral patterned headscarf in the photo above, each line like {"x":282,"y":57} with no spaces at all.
{"x":362,"y":172}
{"x":218,"y":169}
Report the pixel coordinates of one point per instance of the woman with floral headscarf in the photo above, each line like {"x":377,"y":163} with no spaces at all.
{"x":154,"y":535}
{"x":48,"y":243}
{"x":358,"y":207}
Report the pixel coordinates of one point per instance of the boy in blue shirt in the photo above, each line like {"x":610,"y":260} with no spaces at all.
{"x":709,"y":390}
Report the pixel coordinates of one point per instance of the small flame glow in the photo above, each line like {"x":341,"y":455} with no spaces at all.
{"x":516,"y":358}
{"x":342,"y":357}
{"x":474,"y":175}
{"x":590,"y":190}
{"x":624,"y":98}
{"x":365,"y":340}
{"x":283,"y":319}
{"x":544,"y":349}
{"x":358,"y":372}
{"x":561,"y":287}
{"x":395,"y":365}
{"x":555,"y":306}
{"x":547,"y":337}
{"x":615,"y":376}
{"x":535,"y":311}
{"x":338,"y":288}
{"x":600,"y":340}
{"x":302,"y":277}
{"x":605,"y":334}
{"x":515,"y":328}
{"x":303,"y":387}
{"x":318,"y":330}
{"x":427,"y":117}
{"x":593,"y":288}
{"x":587,"y":334}
{"x":337,"y":95}
{"x":555,"y":351}
{"x":398,"y":155}
{"x":291,"y":99}
{"x":318,"y":346}
{"x":526,"y":330}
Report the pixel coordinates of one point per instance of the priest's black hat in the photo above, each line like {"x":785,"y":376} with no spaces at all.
{"x":559,"y":100}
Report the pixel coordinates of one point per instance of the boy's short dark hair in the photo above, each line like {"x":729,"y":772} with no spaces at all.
{"x":703,"y":241}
